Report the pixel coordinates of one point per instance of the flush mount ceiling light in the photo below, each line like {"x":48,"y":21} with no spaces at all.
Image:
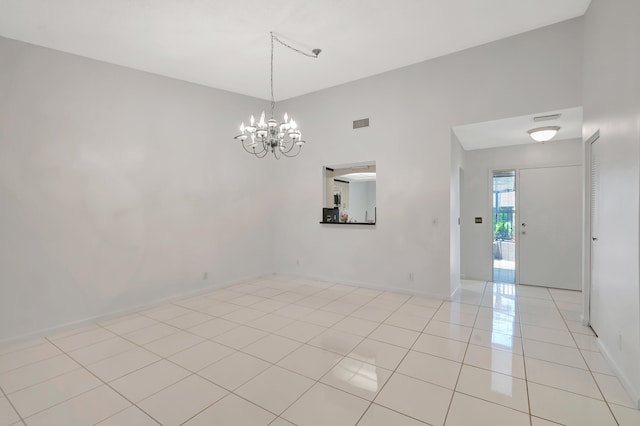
{"x":278,"y":137}
{"x":543,"y":134}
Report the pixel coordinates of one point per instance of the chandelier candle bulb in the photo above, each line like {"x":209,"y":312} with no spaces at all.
{"x":272,"y":136}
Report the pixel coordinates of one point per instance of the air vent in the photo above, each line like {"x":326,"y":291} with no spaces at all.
{"x":360,"y":123}
{"x":546,"y":117}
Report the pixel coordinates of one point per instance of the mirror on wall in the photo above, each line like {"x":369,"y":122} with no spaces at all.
{"x":350,"y":194}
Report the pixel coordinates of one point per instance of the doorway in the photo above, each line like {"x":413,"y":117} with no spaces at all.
{"x":504,"y":216}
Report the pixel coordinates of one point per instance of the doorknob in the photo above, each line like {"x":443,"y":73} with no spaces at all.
{"x":524,"y":224}
{"x":594,"y":238}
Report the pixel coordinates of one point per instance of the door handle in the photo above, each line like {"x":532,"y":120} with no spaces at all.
{"x":523,"y":224}
{"x":594,"y":238}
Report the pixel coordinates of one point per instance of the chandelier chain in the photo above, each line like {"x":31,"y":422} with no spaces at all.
{"x":310,"y":55}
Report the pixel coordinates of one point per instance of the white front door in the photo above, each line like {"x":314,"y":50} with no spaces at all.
{"x":550,"y":231}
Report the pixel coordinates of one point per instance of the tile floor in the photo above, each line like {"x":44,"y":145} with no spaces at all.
{"x":281,"y":351}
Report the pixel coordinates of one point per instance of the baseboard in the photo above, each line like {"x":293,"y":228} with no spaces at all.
{"x":632,"y":391}
{"x":126,"y":311}
{"x":401,"y":290}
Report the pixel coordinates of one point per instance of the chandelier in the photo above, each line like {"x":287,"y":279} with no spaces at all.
{"x":279,"y":138}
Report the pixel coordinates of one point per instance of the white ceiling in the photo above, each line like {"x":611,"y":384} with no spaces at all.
{"x":225,"y":44}
{"x":513,"y":131}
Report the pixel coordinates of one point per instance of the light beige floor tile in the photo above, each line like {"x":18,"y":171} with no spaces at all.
{"x":270,"y":323}
{"x":260,"y":390}
{"x":495,"y":360}
{"x":179,"y":402}
{"x":269,"y":305}
{"x":35,"y":373}
{"x":372,"y":314}
{"x":378,"y":415}
{"x":222,"y":308}
{"x":395,"y":335}
{"x":336,"y":341}
{"x":101,"y":350}
{"x":244,"y":315}
{"x":340,"y":307}
{"x":500,"y":341}
{"x":310,"y":361}
{"x":86,"y":338}
{"x":46,"y":394}
{"x":448,"y":330}
{"x":357,"y":378}
{"x":576,"y":327}
{"x":568,"y":408}
{"x":118,"y":365}
{"x":424,"y":301}
{"x":466,"y":410}
{"x":166,"y":312}
{"x":232,"y":410}
{"x":8,"y":415}
{"x":149,"y":334}
{"x":562,"y":377}
{"x":322,"y":318}
{"x":234,"y":370}
{"x":86,"y":409}
{"x":415,"y":398}
{"x":411,"y":322}
{"x":626,"y":416}
{"x":537,"y":421}
{"x":596,"y":362}
{"x":130,"y":323}
{"x":613,"y":390}
{"x":212,"y":328}
{"x":22,"y":357}
{"x":498,"y":325}
{"x":323,"y":405}
{"x":132,"y":416}
{"x":379,"y":353}
{"x":201,"y":355}
{"x":148,"y":380}
{"x":357,"y":326}
{"x":239,"y":337}
{"x":272,"y":348}
{"x":281,"y":422}
{"x":247,"y":300}
{"x":188,"y":320}
{"x":494,"y":387}
{"x":455,"y":317}
{"x":6,"y":348}
{"x":294,"y":311}
{"x":301,"y":331}
{"x":554,"y":353}
{"x":549,"y":335}
{"x":586,"y":342}
{"x":174,"y":343}
{"x":432,"y":369}
{"x":440,"y":346}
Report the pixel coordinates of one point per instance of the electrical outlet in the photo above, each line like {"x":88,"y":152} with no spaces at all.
{"x":411,"y":276}
{"x":205,"y":275}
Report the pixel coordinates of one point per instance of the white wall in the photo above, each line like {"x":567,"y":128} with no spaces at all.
{"x":612,"y":105}
{"x":477,"y":187}
{"x":411,"y":112}
{"x":119,"y":187}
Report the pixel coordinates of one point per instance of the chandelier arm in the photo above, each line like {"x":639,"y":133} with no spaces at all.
{"x":253,"y":151}
{"x":294,"y":155}
{"x":261,"y":154}
{"x":290,"y":147}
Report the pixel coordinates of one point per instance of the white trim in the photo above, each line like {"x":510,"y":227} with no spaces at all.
{"x":634,"y":394}
{"x":126,"y":311}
